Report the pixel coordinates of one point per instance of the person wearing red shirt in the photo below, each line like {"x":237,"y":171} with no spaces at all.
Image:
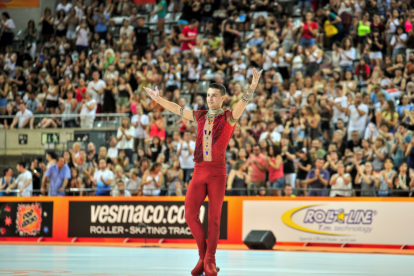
{"x":259,"y":166}
{"x":362,"y":71}
{"x":215,"y":127}
{"x":189,"y":35}
{"x":308,"y":30}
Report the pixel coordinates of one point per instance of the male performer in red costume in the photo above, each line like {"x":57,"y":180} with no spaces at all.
{"x":214,"y":130}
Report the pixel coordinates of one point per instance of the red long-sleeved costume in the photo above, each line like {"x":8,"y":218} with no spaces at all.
{"x":209,"y":179}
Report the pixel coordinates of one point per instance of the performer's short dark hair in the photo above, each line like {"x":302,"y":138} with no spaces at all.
{"x":219,"y":87}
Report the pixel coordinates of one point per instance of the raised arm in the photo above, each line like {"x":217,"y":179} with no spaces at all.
{"x":170,"y":106}
{"x":247,"y":97}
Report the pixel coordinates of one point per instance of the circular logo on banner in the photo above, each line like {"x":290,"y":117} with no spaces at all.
{"x":6,"y":1}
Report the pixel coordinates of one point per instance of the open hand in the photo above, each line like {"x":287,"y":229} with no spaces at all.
{"x":256,"y":76}
{"x":153,"y":94}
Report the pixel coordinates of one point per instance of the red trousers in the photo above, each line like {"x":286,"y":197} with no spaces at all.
{"x":209,"y":179}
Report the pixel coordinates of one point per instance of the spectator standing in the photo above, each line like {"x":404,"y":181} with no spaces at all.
{"x":141,"y":33}
{"x":288,"y":156}
{"x":161,"y":12}
{"x":366,"y":179}
{"x":46,"y":21}
{"x":398,"y":42}
{"x":24,"y":181}
{"x":30,"y":38}
{"x":125,"y":137}
{"x":339,"y":106}
{"x":185,"y":152}
{"x":59,"y":176}
{"x":37,"y":173}
{"x":95,"y":87}
{"x":152,"y":180}
{"x":346,"y":57}
{"x":4,"y":91}
{"x":101,"y":18}
{"x":68,"y":108}
{"x":358,"y":115}
{"x":154,"y":149}
{"x":238,"y":179}
{"x":317,"y":179}
{"x":102,"y":179}
{"x":82,"y":33}
{"x":276,"y":176}
{"x":308,"y":31}
{"x":379,"y":154}
{"x":52,"y":96}
{"x":7,"y":29}
{"x":401,"y":142}
{"x":140,"y":122}
{"x":259,"y":167}
{"x":88,"y":108}
{"x":188,"y":35}
{"x":121,"y":189}
{"x":22,"y":119}
{"x":7,"y":182}
{"x":65,"y":6}
{"x":133,"y":185}
{"x":157,"y":125}
{"x":341,"y":182}
{"x":112,"y":150}
{"x":271,"y":133}
{"x":10,"y":60}
{"x":386,"y":178}
{"x":230,"y":32}
{"x":402,"y":181}
{"x":175,"y":177}
{"x":304,"y":165}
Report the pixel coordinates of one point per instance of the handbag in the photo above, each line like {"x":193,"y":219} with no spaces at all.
{"x":330,"y":30}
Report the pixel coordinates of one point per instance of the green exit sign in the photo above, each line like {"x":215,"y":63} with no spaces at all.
{"x":50,"y":138}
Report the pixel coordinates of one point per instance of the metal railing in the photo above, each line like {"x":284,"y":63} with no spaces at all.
{"x":104,"y":119}
{"x":164,"y":191}
{"x":65,"y":117}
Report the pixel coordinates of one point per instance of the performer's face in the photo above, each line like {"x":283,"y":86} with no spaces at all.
{"x":214,"y":98}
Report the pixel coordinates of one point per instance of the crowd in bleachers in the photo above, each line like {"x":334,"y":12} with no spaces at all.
{"x":333,"y":114}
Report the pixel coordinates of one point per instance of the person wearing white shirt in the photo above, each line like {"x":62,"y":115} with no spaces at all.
{"x":140,"y":122}
{"x":126,"y":28}
{"x":341,"y":182}
{"x":269,"y":55}
{"x":125,"y":137}
{"x":358,"y":114}
{"x":185,"y":152}
{"x":64,"y":5}
{"x":398,"y":42}
{"x":96,"y":86}
{"x":82,"y":32}
{"x":102,"y":179}
{"x":239,"y":71}
{"x":346,"y":57}
{"x":24,"y":181}
{"x":7,"y":27}
{"x":121,"y":190}
{"x":88,"y":110}
{"x":23,"y":117}
{"x":271,"y":133}
{"x":339,"y":105}
{"x":112,"y":150}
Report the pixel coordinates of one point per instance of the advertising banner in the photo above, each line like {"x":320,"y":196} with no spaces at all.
{"x":12,"y":4}
{"x":332,"y":221}
{"x":26,"y":219}
{"x":154,"y":219}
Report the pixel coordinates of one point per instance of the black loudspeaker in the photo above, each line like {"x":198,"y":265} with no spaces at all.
{"x":260,"y":240}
